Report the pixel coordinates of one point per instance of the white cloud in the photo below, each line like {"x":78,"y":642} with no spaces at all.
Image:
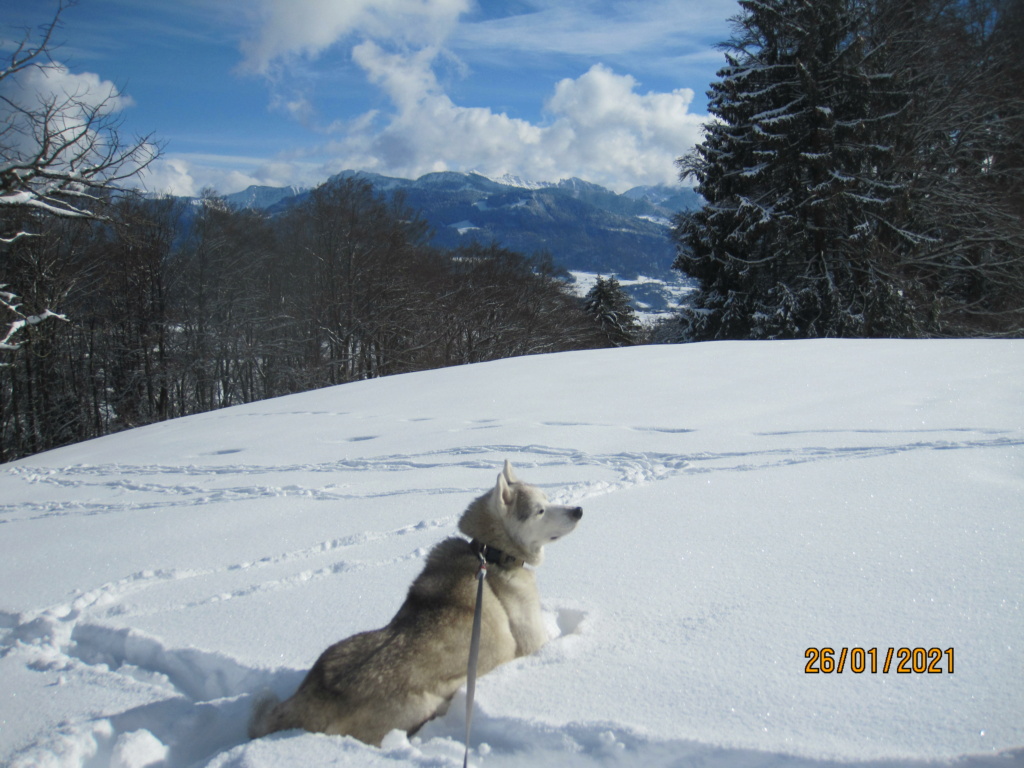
{"x":599,"y":127}
{"x":86,"y":88}
{"x":171,"y":176}
{"x":189,"y":175}
{"x":408,"y":79}
{"x":68,"y":122}
{"x":620,"y":135}
{"x":585,"y":28}
{"x":72,"y":101}
{"x":289,"y":28}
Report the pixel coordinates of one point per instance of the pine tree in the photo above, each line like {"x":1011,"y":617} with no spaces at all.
{"x":795,"y":175}
{"x":863,"y":176}
{"x":609,"y":305}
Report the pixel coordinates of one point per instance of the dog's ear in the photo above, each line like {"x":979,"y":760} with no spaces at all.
{"x":503,"y":496}
{"x":510,"y":476}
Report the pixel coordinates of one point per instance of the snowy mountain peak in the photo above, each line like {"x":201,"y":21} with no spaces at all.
{"x":511,"y":180}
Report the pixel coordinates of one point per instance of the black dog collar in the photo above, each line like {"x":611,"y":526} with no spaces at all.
{"x":494,"y":555}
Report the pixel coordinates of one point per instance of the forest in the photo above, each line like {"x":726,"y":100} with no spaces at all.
{"x":170,"y":308}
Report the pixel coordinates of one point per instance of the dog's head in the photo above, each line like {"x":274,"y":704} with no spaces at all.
{"x":519,"y":518}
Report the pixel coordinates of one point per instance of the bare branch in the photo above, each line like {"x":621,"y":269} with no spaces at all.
{"x":8,"y":301}
{"x":28,"y":54}
{"x":61,"y":150}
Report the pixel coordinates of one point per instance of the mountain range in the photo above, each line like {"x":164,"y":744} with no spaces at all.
{"x":584,"y":227}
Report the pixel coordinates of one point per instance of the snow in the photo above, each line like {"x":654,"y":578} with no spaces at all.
{"x":743,"y":501}
{"x":462,"y":227}
{"x":652,"y":298}
{"x":511,"y":180}
{"x":661,"y":221}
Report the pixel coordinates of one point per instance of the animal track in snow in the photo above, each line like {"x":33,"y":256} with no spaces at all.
{"x":664,"y":430}
{"x":570,"y":621}
{"x":147,"y":487}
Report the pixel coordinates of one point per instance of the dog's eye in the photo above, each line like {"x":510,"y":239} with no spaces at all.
{"x":540,"y":511}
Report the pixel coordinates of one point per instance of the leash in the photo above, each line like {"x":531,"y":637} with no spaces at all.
{"x":474,"y":646}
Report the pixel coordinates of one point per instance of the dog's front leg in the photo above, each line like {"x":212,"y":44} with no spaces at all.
{"x":521,"y":600}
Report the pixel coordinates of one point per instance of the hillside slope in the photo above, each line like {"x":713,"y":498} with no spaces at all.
{"x":744,"y":502}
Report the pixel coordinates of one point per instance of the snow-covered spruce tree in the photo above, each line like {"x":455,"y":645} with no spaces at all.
{"x":609,"y":306}
{"x":794,"y":170}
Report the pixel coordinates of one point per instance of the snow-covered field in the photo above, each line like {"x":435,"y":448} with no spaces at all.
{"x":653,"y":298}
{"x":743,"y":502}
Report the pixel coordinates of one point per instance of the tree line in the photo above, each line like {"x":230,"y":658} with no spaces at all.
{"x":864,"y":174}
{"x":175,"y":308}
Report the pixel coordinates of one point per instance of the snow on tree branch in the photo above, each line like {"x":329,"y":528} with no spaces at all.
{"x":8,"y":301}
{"x":61,"y":149}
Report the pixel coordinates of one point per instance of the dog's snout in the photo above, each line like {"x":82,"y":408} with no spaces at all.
{"x":576,"y":513}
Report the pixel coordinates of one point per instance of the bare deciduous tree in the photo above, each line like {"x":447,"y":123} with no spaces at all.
{"x":61,"y":150}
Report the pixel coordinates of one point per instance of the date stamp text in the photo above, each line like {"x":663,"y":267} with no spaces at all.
{"x":902,"y":661}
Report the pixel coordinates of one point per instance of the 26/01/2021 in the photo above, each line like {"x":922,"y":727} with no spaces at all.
{"x":860,"y":660}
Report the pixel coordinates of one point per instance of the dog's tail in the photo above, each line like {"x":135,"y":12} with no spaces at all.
{"x":261,"y":720}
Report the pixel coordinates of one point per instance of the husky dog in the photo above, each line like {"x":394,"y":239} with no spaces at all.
{"x":405,"y":674}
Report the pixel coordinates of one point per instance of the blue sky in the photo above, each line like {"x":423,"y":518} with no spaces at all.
{"x":291,"y":91}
